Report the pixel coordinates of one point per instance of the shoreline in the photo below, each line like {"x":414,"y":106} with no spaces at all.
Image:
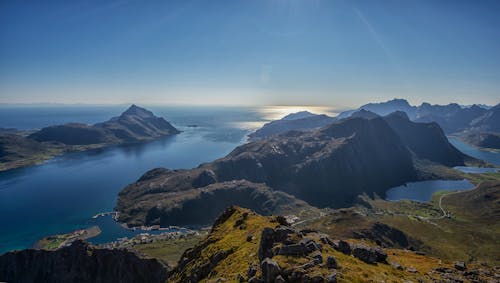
{"x":57,"y":241}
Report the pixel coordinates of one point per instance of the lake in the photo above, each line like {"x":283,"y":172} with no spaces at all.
{"x":423,"y":191}
{"x":63,"y":194}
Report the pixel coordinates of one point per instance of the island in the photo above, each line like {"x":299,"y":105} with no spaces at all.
{"x":135,"y":125}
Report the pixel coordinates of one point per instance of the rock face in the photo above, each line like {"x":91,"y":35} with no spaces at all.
{"x":79,"y":262}
{"x":326,"y":167}
{"x":134,"y":125}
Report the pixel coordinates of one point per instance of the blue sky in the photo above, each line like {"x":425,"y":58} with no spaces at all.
{"x":295,"y":52}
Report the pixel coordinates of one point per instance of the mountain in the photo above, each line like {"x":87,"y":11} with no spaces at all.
{"x":328,"y":167}
{"x":484,"y":131}
{"x":383,"y":108}
{"x":134,"y":125}
{"x":80,"y":262}
{"x":364,"y":114}
{"x":426,"y":140}
{"x":138,"y":124}
{"x":301,"y":121}
{"x":299,"y":115}
{"x":489,"y":121}
{"x":452,"y":117}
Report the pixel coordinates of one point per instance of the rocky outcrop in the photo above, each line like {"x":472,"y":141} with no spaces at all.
{"x":134,"y":125}
{"x":80,"y":262}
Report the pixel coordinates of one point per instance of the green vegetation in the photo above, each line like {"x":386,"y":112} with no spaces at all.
{"x":468,"y":231}
{"x":170,"y":250}
{"x":57,"y":241}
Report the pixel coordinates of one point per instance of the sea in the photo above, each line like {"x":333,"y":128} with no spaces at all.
{"x":64,"y":193}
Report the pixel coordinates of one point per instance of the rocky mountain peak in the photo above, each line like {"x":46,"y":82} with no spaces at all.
{"x":135,"y":110}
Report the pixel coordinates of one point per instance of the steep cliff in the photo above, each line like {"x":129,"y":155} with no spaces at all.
{"x":79,"y":262}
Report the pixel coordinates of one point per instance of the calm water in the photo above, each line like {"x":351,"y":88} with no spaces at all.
{"x":64,"y":193}
{"x":490,"y":156}
{"x":423,"y":191}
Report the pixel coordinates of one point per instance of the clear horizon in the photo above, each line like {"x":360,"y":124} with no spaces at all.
{"x":234,"y":53}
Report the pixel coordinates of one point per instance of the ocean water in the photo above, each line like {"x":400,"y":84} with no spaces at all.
{"x":64,"y":193}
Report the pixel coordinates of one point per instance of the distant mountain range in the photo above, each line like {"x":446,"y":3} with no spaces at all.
{"x":134,"y":125}
{"x":476,"y":124}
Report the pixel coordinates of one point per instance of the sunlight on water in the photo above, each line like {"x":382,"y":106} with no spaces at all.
{"x":277,"y":112}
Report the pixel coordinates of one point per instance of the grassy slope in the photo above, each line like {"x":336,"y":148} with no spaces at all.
{"x":169,"y":250}
{"x":472,"y":231}
{"x":227,"y":236}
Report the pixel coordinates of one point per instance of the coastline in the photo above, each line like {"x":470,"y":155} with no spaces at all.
{"x":54,"y":151}
{"x":54,"y":242}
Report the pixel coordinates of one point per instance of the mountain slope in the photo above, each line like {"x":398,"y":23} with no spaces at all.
{"x":134,"y":125}
{"x":246,"y":247}
{"x":426,"y":140}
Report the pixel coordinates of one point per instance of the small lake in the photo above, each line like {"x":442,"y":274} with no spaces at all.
{"x":423,"y":191}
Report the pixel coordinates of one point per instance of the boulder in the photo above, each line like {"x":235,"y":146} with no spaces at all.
{"x":293,"y":250}
{"x":266,"y":243}
{"x":331,"y":262}
{"x":460,"y":265}
{"x":270,"y":270}
{"x":368,"y":254}
{"x":343,"y":247}
{"x":332,"y":278}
